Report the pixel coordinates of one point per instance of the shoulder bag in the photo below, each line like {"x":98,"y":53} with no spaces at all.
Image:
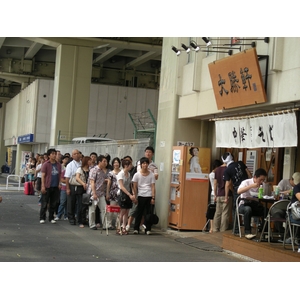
{"x":295,"y":210}
{"x":152,"y":218}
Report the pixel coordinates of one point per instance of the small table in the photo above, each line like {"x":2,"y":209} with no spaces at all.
{"x":264,"y":201}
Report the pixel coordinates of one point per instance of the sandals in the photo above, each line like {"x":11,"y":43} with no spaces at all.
{"x":122,"y":231}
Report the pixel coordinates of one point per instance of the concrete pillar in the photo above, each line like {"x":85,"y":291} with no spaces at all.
{"x":169,"y":128}
{"x":71,"y":91}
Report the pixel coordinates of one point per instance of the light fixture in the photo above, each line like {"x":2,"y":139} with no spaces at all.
{"x":187,"y":49}
{"x":253,"y":44}
{"x":266,"y":39}
{"x":194,"y":45}
{"x":239,"y":48}
{"x":229,"y":52}
{"x":206,"y":41}
{"x":176,"y":50}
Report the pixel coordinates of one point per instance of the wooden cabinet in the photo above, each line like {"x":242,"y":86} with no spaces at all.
{"x":189,"y":191}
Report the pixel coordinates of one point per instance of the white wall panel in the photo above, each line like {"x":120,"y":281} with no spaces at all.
{"x":110,"y":113}
{"x":11,"y":118}
{"x":31,"y":112}
{"x":44,"y":109}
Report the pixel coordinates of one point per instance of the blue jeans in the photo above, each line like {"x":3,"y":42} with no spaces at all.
{"x":62,"y":209}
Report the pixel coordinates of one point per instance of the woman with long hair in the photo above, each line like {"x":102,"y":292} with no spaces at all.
{"x":194,"y":160}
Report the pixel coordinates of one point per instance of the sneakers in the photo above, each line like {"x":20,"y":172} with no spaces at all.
{"x":135,"y":232}
{"x":142,"y":228}
{"x":288,"y":241}
{"x":250,"y":236}
{"x":127,"y":227}
{"x":299,"y":250}
{"x":42,"y":221}
{"x":56,"y":219}
{"x":53,"y":221}
{"x":66,"y":219}
{"x":148,"y":232}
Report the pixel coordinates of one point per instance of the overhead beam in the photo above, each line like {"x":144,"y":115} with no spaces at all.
{"x":107,"y":55}
{"x":142,"y":59}
{"x":33,"y":50}
{"x":94,"y":42}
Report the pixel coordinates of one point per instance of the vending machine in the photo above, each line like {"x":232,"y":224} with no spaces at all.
{"x":189,"y":187}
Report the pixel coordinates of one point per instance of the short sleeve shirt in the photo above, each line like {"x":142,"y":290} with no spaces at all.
{"x":99,"y":176}
{"x":236,"y":172}
{"x":284,"y":185}
{"x":144,"y":183}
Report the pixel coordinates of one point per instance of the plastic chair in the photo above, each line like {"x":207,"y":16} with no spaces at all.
{"x":281,"y":204}
{"x":210,"y":213}
{"x":291,"y":227}
{"x":238,"y":215}
{"x":111,"y":209}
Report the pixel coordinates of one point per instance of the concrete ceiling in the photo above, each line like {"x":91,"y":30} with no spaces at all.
{"x":35,"y":58}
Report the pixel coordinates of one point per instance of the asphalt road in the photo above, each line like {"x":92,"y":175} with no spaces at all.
{"x":24,"y":239}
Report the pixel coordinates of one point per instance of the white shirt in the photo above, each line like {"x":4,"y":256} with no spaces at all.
{"x":72,"y":168}
{"x":211,"y":179}
{"x":144,"y":183}
{"x":247,"y":194}
{"x":38,"y":171}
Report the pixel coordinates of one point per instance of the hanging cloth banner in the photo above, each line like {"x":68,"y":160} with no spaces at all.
{"x":270,"y":131}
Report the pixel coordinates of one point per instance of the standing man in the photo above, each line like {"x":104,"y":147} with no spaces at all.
{"x":144,"y":190}
{"x":234,"y":174}
{"x":98,"y":179}
{"x":152,"y":167}
{"x":223,"y":206}
{"x":51,"y":172}
{"x":73,"y":200}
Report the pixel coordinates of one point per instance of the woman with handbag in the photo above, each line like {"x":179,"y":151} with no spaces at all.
{"x":82,"y":175}
{"x":113,"y":188}
{"x":126,"y":196}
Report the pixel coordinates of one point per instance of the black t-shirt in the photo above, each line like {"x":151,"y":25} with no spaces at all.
{"x":236,"y":172}
{"x":296,"y":190}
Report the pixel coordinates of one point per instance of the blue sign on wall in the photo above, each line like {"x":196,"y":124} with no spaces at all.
{"x":27,"y":138}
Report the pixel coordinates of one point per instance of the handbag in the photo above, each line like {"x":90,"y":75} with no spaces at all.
{"x":86,"y":199}
{"x":295,"y":210}
{"x":152,"y":218}
{"x":73,"y":181}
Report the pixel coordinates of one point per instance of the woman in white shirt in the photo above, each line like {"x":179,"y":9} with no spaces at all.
{"x":125,"y":195}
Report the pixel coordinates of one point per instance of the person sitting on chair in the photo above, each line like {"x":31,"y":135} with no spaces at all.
{"x":251,"y":208}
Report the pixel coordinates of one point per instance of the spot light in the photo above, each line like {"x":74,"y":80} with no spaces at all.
{"x":195,"y":46}
{"x":206,"y":41}
{"x":176,"y":50}
{"x":187,"y":49}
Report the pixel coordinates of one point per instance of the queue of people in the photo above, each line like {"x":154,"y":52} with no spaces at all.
{"x":64,"y":179}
